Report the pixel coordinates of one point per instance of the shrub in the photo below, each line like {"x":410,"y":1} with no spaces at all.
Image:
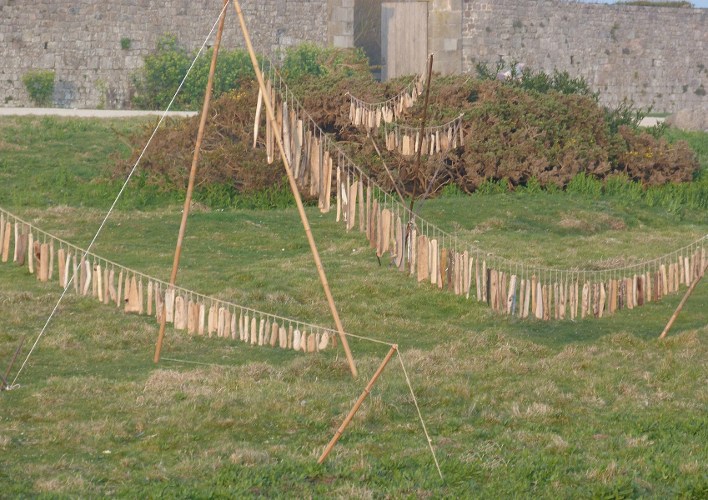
{"x":40,"y":86}
{"x":164,"y":69}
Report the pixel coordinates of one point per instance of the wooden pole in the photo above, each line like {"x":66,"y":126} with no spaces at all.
{"x":356,"y":406}
{"x":681,"y":304}
{"x":422,"y":124}
{"x":192,"y":177}
{"x":296,"y":194}
{"x":12,"y":362}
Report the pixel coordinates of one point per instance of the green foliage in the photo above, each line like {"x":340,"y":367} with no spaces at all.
{"x":125,"y":43}
{"x":537,"y":81}
{"x":491,"y":186}
{"x":585,"y":185}
{"x":451,"y":190}
{"x":165,"y":68}
{"x":40,"y":86}
{"x":625,"y":114}
{"x":306,"y":59}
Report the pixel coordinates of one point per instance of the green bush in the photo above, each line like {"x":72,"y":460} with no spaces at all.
{"x":164,"y":69}
{"x":40,"y":86}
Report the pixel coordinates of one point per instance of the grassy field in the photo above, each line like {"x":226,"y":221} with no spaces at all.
{"x":593,"y":408}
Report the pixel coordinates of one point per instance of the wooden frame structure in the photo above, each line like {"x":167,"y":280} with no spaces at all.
{"x":270,"y":115}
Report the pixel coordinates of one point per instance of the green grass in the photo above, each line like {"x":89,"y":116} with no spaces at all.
{"x":595,"y":408}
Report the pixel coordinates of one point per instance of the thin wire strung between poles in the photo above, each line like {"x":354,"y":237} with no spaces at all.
{"x":120,"y":193}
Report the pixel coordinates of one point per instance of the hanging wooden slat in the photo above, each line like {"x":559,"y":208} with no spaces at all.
{"x":422,"y":258}
{"x":511,"y":295}
{"x":257,"y":120}
{"x":351,"y":208}
{"x":434,"y":261}
{"x":179,"y":313}
{"x":527,"y":299}
{"x":6,"y":242}
{"x":269,"y":129}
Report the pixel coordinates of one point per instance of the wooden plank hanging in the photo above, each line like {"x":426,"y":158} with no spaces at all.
{"x":257,"y":120}
{"x":374,"y":225}
{"x":385,"y":232}
{"x":285,"y":119}
{"x":30,"y":253}
{"x":282,"y":338}
{"x":502,"y":291}
{"x":159,"y":302}
{"x":527,"y":298}
{"x":254,"y":330}
{"x":231,"y":325}
{"x":61,"y":256}
{"x":119,"y":295}
{"x":351,"y":206}
{"x":269,"y":126}
{"x":603,"y":298}
{"x":192,"y":315}
{"x":477,"y":280}
{"x":132,"y":305}
{"x":180,"y":311}
{"x":6,"y":242}
{"x":212,"y":320}
{"x":511,"y":295}
{"x":585,"y":300}
{"x":400,"y":251}
{"x":51,"y":260}
{"x":539,"y":300}
{"x":339,"y":198}
{"x":170,"y":306}
{"x":546,"y":302}
{"x":422,"y":258}
{"x":442,"y":275}
{"x":43,"y":262}
{"x":100,"y":285}
{"x":298,"y":146}
{"x":274,"y":330}
{"x":362,"y":208}
{"x":88,"y":276}
{"x":434,"y":261}
{"x":467,"y":272}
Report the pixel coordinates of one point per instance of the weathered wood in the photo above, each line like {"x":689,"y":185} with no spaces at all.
{"x":43,"y":262}
{"x":688,"y":293}
{"x":358,"y":403}
{"x":6,"y":242}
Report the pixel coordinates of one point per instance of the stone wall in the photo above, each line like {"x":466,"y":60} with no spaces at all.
{"x":84,"y":41}
{"x":653,"y":55}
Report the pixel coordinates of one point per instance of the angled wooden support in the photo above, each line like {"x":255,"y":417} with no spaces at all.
{"x":358,"y":403}
{"x":3,"y":382}
{"x":681,"y":304}
{"x":270,"y":113}
{"x":192,"y":176}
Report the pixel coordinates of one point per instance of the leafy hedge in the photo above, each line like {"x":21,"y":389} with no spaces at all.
{"x":540,"y":132}
{"x":163,"y":70}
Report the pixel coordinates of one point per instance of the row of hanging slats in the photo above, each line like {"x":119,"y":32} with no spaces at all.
{"x":439,"y":139}
{"x":50,"y":258}
{"x":531,"y":293}
{"x":372,"y":116}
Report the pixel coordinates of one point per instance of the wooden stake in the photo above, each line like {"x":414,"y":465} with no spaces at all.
{"x":296,"y":194}
{"x":681,"y":304}
{"x":356,"y":406}
{"x":193,"y":173}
